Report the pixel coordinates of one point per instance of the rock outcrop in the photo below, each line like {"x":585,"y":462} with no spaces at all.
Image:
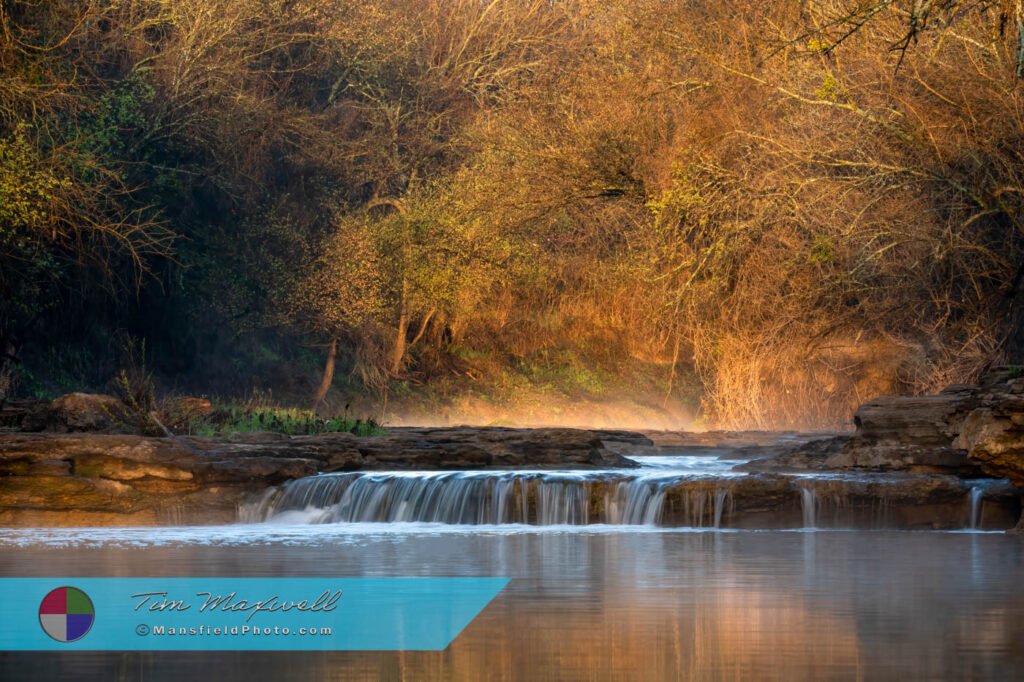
{"x":971,"y":431}
{"x":992,"y":431}
{"x":110,"y":479}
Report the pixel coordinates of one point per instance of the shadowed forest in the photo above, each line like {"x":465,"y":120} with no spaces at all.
{"x":749,"y":214}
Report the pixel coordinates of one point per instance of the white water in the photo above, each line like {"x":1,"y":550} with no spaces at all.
{"x":977,"y":500}
{"x":685,"y":491}
{"x":809,"y":502}
{"x":545,"y":498}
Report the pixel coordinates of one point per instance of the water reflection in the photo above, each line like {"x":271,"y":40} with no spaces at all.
{"x":751,"y":605}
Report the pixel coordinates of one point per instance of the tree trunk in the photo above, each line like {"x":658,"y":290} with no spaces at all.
{"x":403,"y":315}
{"x":328,"y":377}
{"x":403,"y":330}
{"x":8,"y":363}
{"x":423,"y":327}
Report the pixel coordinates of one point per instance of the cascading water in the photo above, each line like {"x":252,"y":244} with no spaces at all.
{"x":634,"y":502}
{"x":977,"y":500}
{"x":672,"y":491}
{"x":502,"y":497}
{"x":720,"y":497}
{"x":464,"y":498}
{"x":825,"y":502}
{"x":809,"y":504}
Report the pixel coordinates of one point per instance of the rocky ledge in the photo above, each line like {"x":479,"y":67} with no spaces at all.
{"x":970,"y":431}
{"x":81,"y":479}
{"x":877,"y":477}
{"x":963,"y":433}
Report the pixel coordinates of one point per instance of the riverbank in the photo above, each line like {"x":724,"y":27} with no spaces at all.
{"x":81,"y":479}
{"x":483,"y":475}
{"x":949,"y":461}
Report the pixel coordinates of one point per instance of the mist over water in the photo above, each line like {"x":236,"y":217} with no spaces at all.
{"x":645,"y":412}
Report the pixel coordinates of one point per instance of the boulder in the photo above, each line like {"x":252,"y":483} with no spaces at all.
{"x":853,"y":454}
{"x":992,"y":433}
{"x":81,"y":412}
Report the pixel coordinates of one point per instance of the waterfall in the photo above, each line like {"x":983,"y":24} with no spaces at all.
{"x":499,"y":497}
{"x":809,"y":503}
{"x":561,"y":502}
{"x":433,"y":498}
{"x":703,"y":507}
{"x":634,"y":502}
{"x":720,"y":497}
{"x":652,"y":496}
{"x":977,"y":499}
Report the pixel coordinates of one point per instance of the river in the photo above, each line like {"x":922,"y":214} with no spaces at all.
{"x":587,"y":599}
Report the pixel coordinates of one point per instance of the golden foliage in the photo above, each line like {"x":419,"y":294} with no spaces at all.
{"x":809,"y":203}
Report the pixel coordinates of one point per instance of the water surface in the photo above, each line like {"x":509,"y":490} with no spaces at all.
{"x":592,"y":602}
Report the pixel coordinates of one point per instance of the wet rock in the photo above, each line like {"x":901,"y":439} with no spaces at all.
{"x":625,"y":442}
{"x":904,"y":501}
{"x":69,"y":493}
{"x":968,"y":431}
{"x":504,"y":447}
{"x":123,"y":469}
{"x":746,"y":445}
{"x":260,"y":470}
{"x":80,"y":412}
{"x":920,"y":421}
{"x":851,"y":453}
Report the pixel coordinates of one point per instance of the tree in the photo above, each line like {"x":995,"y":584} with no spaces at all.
{"x":69,"y":220}
{"x":342,"y":292}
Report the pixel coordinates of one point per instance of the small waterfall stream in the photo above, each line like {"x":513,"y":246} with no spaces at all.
{"x":809,"y":506}
{"x":977,"y":501}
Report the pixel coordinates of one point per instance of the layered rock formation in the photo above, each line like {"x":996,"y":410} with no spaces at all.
{"x":992,"y":430}
{"x":970,"y":431}
{"x":110,"y":479}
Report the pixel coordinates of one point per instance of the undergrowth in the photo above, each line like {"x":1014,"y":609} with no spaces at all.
{"x":287,"y":420}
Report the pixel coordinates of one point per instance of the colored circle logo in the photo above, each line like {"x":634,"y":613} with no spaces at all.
{"x":66,"y":614}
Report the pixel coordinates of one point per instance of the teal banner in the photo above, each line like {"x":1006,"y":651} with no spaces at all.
{"x":239,"y":614}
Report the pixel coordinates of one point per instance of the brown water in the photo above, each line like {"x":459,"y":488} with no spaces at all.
{"x":594,"y":604}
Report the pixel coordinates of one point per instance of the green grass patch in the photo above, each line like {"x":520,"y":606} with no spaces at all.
{"x":564,"y":372}
{"x":287,"y":420}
